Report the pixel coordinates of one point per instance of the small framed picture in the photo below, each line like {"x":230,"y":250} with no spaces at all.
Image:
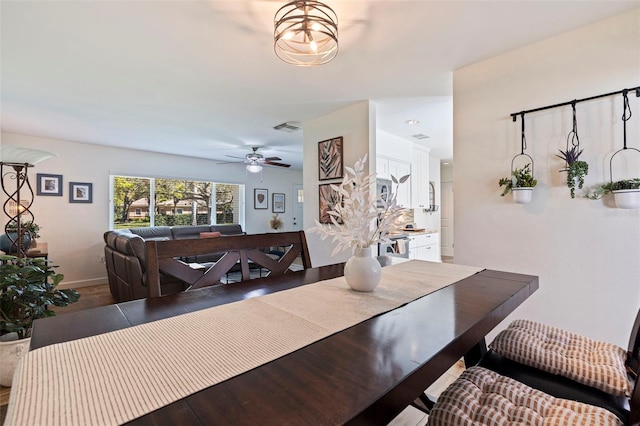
{"x":80,"y":192}
{"x":260,"y":198}
{"x":49,"y":185}
{"x":328,"y":199}
{"x":278,"y":203}
{"x":330,"y":159}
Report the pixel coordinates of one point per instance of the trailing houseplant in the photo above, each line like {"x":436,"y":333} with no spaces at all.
{"x":626,"y":192}
{"x":521,"y":179}
{"x":576,"y":169}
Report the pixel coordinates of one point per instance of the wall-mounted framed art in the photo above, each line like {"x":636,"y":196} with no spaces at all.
{"x":260,"y":198}
{"x":277,"y":204}
{"x":328,"y":199}
{"x":330,"y":163}
{"x":80,"y":192}
{"x":49,"y":184}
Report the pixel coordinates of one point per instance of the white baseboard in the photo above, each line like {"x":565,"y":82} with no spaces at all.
{"x":83,"y":283}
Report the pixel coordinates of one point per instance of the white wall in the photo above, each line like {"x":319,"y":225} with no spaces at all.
{"x":586,"y":253}
{"x":356,"y":124}
{"x":74,"y":231}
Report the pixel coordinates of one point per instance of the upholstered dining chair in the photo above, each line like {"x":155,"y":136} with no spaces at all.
{"x":567,"y":365}
{"x":482,"y":397}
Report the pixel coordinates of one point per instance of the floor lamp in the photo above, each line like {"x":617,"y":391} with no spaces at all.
{"x":14,"y":180}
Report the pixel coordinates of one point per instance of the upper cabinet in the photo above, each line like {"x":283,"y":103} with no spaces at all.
{"x":386,"y":167}
{"x":420,"y":178}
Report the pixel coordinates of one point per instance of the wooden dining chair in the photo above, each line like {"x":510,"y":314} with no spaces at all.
{"x":238,"y":253}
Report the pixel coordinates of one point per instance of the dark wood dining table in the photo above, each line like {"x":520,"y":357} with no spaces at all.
{"x":366,"y":374}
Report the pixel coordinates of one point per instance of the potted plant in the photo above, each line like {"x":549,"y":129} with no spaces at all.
{"x":626,"y":193}
{"x":521,"y":184}
{"x":27,"y":290}
{"x":576,"y":169}
{"x":30,"y":229}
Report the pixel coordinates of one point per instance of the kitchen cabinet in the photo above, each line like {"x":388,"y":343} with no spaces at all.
{"x":385,"y":167}
{"x":425,"y":247}
{"x":420,"y":179}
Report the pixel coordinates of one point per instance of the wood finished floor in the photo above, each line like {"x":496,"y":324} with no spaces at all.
{"x":99,"y":295}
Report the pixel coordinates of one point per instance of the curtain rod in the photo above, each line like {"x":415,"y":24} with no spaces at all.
{"x":514,"y":115}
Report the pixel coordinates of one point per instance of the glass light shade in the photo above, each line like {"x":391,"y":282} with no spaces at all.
{"x":254,"y":168}
{"x":17,"y":155}
{"x":306,"y":33}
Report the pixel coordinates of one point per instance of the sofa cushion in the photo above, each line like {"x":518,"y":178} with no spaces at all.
{"x":483,"y":397}
{"x":188,"y":232}
{"x":210,"y":234}
{"x":229,"y":229}
{"x":600,"y":365}
{"x":153,"y":232}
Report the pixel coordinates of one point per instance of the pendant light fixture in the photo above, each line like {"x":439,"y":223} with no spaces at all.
{"x":306,"y":33}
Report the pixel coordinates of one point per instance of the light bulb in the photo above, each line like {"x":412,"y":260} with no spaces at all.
{"x":254,"y":168}
{"x":313,"y":46}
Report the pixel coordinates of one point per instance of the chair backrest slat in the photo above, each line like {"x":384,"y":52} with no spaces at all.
{"x":243,"y":252}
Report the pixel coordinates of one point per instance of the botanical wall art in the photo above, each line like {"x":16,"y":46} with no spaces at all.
{"x":328,"y":199}
{"x":49,"y":184}
{"x":330,"y":164}
{"x":80,"y":192}
{"x":260,"y":198}
{"x":278,"y":203}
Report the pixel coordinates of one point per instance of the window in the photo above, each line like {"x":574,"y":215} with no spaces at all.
{"x":139,"y":202}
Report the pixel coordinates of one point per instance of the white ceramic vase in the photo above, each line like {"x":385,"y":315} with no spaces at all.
{"x":362,"y":271}
{"x":522,"y":195}
{"x":10,"y":354}
{"x":627,"y":198}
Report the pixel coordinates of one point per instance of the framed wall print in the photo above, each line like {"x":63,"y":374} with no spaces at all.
{"x":260,"y":198}
{"x":277,"y":204}
{"x":80,"y":192}
{"x":49,"y":185}
{"x":328,"y":199}
{"x":330,"y":164}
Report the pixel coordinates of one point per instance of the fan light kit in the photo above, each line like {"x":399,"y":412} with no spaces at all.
{"x":256,"y":161}
{"x":306,"y":33}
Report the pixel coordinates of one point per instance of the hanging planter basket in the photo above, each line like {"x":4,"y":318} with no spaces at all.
{"x":522,"y":195}
{"x":626,"y":193}
{"x":627,"y":198}
{"x":521,"y":181}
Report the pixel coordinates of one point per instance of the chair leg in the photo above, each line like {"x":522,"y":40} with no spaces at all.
{"x":423,"y":403}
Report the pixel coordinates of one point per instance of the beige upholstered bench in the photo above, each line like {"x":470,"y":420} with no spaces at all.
{"x":600,"y":365}
{"x":482,"y":397}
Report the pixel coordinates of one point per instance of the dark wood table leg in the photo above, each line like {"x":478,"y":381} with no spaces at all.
{"x":474,"y":355}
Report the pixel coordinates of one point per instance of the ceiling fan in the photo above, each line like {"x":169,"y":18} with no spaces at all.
{"x":255,"y":161}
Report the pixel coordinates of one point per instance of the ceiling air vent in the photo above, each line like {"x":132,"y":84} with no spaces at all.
{"x":420,"y":136}
{"x":288,"y":127}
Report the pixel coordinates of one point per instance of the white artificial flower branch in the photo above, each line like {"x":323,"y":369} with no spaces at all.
{"x":356,"y":221}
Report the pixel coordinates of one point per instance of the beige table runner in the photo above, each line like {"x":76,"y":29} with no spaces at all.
{"x":119,"y":376}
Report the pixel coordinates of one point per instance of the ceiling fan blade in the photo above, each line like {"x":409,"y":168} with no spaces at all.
{"x":271,"y":163}
{"x":233,"y":156}
{"x":231,"y":162}
{"x":273,"y":159}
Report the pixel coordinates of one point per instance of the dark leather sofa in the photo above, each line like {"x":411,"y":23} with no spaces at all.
{"x":125,"y":257}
